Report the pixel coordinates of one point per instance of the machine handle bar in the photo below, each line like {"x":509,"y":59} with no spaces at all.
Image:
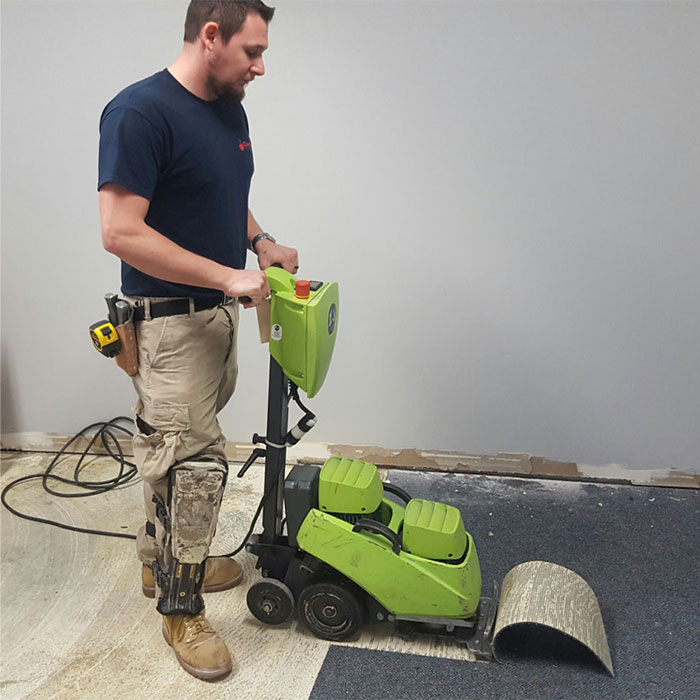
{"x":380,"y":529}
{"x":397,"y":491}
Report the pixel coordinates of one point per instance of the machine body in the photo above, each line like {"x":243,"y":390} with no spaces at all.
{"x":355,"y":550}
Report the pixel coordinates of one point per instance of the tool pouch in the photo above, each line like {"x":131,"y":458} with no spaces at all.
{"x":128,"y":358}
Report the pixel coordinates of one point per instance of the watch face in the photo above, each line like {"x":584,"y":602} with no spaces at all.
{"x":262,"y":237}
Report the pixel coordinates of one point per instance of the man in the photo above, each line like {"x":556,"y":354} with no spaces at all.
{"x":174,"y":176}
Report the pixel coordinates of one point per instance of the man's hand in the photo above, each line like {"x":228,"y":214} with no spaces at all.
{"x":248,"y":283}
{"x":270,"y":253}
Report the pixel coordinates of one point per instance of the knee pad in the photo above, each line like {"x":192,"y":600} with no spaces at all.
{"x":196,"y":488}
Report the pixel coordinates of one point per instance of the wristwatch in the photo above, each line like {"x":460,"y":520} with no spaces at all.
{"x":261,"y":237}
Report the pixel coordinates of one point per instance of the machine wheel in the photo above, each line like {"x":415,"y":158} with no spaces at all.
{"x":331,"y":611}
{"x":270,"y":601}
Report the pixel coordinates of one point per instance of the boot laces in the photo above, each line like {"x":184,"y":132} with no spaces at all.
{"x":197,"y":625}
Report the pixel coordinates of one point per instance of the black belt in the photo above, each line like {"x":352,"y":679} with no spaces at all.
{"x":173,"y":307}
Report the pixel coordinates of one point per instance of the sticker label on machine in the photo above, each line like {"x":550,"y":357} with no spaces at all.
{"x":276,"y":332}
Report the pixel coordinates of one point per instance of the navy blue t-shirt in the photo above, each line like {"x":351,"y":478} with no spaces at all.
{"x":193,"y":161}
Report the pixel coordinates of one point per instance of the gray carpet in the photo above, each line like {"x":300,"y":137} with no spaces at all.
{"x":638,"y":548}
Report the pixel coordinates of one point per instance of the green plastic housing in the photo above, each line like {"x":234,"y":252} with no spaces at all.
{"x":302,"y":331}
{"x":405,"y":584}
{"x":434,"y":530}
{"x":349,"y":486}
{"x":437,"y":565}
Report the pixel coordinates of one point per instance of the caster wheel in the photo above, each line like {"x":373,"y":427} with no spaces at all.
{"x":270,"y":601}
{"x":330,"y":610}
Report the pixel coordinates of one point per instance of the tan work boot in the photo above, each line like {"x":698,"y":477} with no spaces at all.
{"x":220,"y":574}
{"x":198,"y":648}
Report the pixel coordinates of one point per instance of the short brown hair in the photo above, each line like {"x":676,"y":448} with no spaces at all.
{"x":228,"y":14}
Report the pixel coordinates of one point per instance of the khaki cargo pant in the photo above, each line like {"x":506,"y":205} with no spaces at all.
{"x":187,"y":373}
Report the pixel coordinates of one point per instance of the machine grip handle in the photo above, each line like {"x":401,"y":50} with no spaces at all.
{"x":380,"y":529}
{"x":246,"y":300}
{"x":397,"y":491}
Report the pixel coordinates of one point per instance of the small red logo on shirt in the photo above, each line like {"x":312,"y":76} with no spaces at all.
{"x":243,"y":145}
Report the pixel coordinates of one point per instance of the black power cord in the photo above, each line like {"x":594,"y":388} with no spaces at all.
{"x":104,"y":432}
{"x":252,"y":524}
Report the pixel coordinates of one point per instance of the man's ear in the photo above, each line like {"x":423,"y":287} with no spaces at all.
{"x":210,"y":33}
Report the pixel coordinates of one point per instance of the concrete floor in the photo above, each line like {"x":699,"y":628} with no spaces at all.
{"x":75,"y":624}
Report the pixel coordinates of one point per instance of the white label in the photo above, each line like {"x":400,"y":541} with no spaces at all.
{"x":276,"y":333}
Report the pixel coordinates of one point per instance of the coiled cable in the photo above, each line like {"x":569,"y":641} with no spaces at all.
{"x":105,"y":434}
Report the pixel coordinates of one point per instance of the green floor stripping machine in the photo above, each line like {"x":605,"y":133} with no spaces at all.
{"x":343,"y":549}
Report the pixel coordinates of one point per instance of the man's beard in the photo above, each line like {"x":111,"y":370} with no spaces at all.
{"x":225,"y":92}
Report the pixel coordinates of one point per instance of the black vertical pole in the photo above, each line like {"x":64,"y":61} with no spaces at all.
{"x":275,"y":459}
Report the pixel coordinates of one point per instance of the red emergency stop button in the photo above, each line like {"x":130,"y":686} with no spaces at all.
{"x":303,"y":289}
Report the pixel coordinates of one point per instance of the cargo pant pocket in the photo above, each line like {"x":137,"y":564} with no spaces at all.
{"x":158,"y":438}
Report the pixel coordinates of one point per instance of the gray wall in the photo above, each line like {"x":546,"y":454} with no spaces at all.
{"x":507,"y":194}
